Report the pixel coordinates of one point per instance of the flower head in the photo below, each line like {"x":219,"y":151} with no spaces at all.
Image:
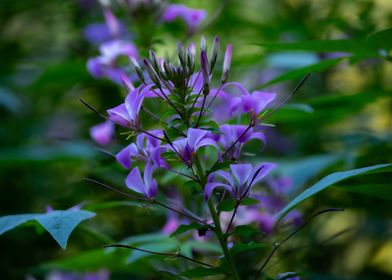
{"x":187,"y":147}
{"x":146,"y":186}
{"x":127,"y":113}
{"x":242,"y":178}
{"x":102,"y":133}
{"x":192,"y":17}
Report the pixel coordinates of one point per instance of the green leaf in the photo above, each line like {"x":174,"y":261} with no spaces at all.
{"x":242,"y":247}
{"x":202,"y":272}
{"x":328,"y":181}
{"x":351,"y":46}
{"x":59,"y":224}
{"x":301,"y":72}
{"x":249,"y":201}
{"x":184,"y":228}
{"x":226,"y":205}
{"x":383,"y":191}
{"x":381,"y":39}
{"x":245,"y":231}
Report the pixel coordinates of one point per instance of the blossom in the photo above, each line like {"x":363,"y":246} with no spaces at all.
{"x":247,"y":102}
{"x":192,"y":17}
{"x":146,"y":148}
{"x":187,"y":147}
{"x":242,"y":178}
{"x":102,"y":133}
{"x":240,"y":133}
{"x":146,"y":186}
{"x":105,"y":64}
{"x":127,"y":113}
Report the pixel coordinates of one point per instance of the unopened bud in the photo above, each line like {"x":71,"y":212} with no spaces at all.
{"x":214,"y":53}
{"x":151,"y":72}
{"x":181,"y":53}
{"x":112,"y":22}
{"x":205,"y":70}
{"x":226,"y":63}
{"x":154,"y":61}
{"x":203,"y":44}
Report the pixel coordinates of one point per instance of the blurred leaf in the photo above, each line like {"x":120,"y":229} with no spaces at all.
{"x":245,"y":231}
{"x":381,"y":39}
{"x":301,"y":72}
{"x":59,"y":224}
{"x":9,"y":101}
{"x":249,"y":201}
{"x":355,"y":46}
{"x":226,"y":205}
{"x":330,"y":180}
{"x":242,"y":247}
{"x":202,"y":272}
{"x":159,"y":247}
{"x":383,"y":191}
{"x":35,"y":154}
{"x":184,"y":228}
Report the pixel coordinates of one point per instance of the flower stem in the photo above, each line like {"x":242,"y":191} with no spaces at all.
{"x":215,"y":217}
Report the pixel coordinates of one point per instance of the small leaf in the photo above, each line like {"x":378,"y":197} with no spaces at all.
{"x":249,"y":201}
{"x":381,"y":39}
{"x":328,"y":181}
{"x":201,"y":272}
{"x":184,"y":228}
{"x":245,"y":231}
{"x":226,"y":205}
{"x":242,"y":247}
{"x":59,"y":224}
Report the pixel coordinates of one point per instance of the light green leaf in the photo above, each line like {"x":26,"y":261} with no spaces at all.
{"x":328,"y":181}
{"x":59,"y":224}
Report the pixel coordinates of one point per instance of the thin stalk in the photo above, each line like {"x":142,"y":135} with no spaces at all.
{"x":215,"y":217}
{"x":127,"y":195}
{"x":278,"y":244}
{"x":176,"y":255}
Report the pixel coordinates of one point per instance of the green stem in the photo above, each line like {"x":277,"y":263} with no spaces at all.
{"x":215,"y":217}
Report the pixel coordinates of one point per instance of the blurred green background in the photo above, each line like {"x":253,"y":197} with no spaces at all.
{"x":341,"y":119}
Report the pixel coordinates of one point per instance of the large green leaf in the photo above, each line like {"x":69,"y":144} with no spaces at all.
{"x":381,"y":39}
{"x":301,"y":72}
{"x":59,"y":224}
{"x":359,"y":47}
{"x":327,"y":181}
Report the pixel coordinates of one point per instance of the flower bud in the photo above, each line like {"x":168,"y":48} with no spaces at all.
{"x":214,"y":53}
{"x":205,"y":70}
{"x":112,"y":22}
{"x":151,"y":72}
{"x":203,"y":44}
{"x":226,"y":63}
{"x":154,"y":61}
{"x":181,"y":53}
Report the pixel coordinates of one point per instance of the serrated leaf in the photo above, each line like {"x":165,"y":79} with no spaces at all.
{"x":59,"y":224}
{"x":329,"y":181}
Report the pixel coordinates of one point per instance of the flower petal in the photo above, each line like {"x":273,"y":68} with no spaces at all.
{"x":241,"y":172}
{"x":134,"y":181}
{"x":208,"y":189}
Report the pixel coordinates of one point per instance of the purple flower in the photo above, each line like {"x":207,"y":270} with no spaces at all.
{"x":247,"y":102}
{"x":97,"y":33}
{"x":112,"y":23}
{"x":146,"y":148}
{"x":192,"y":17}
{"x":230,"y":134}
{"x":187,"y":147}
{"x":105,"y":64}
{"x":240,"y":181}
{"x":102,"y":133}
{"x":127,"y":113}
{"x":146,"y":186}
